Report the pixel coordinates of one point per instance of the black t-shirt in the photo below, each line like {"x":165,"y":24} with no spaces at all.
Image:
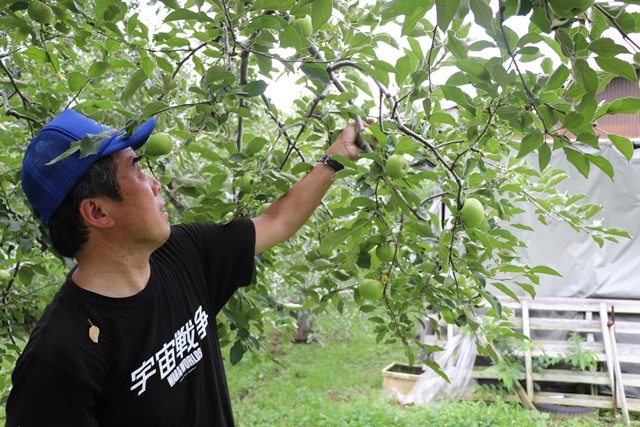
{"x":157,"y":361}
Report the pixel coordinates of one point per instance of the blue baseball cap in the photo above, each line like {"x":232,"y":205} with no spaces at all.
{"x":48,"y":184}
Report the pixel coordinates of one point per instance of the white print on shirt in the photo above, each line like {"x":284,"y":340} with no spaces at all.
{"x":177,"y":357}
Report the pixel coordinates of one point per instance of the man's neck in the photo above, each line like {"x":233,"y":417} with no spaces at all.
{"x":116,"y":274}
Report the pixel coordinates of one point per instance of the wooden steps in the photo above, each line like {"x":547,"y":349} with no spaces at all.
{"x":591,"y":319}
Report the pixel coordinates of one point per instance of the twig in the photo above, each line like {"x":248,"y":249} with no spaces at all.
{"x":617,"y":26}
{"x":25,"y":100}
{"x":530,"y":94}
{"x":317,"y":53}
{"x":281,"y":128}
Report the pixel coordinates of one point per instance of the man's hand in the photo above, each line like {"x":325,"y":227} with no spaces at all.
{"x":287,"y":214}
{"x":345,"y":144}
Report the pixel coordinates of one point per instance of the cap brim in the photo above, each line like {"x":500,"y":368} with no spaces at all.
{"x":118,"y":142}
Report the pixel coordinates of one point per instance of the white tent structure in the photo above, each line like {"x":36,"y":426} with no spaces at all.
{"x":590,"y":271}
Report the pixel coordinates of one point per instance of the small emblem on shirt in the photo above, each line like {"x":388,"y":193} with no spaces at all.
{"x":94,"y":332}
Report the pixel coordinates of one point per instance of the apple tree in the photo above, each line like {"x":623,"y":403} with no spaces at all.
{"x":470,"y":99}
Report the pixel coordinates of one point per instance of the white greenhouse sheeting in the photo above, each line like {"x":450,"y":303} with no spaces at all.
{"x":587,"y":270}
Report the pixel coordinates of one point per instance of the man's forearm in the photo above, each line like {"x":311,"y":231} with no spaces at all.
{"x":288,"y":213}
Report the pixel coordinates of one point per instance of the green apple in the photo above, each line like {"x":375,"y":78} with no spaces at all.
{"x":40,"y":12}
{"x":396,"y":166}
{"x":569,"y":8}
{"x":246,"y":183}
{"x":305,"y":24}
{"x":371,"y":289}
{"x":385,"y":252}
{"x":4,"y":275}
{"x":159,"y":144}
{"x":472,"y":213}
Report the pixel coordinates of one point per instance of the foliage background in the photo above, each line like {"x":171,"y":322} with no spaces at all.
{"x":464,"y":89}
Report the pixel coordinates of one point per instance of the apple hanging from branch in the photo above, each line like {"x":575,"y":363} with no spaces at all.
{"x":569,"y":8}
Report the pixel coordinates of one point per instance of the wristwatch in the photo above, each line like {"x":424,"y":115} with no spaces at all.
{"x":333,"y":164}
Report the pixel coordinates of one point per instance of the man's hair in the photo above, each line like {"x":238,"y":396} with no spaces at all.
{"x":67,"y":229}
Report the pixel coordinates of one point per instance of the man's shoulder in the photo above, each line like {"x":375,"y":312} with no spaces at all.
{"x":207,"y":232}
{"x":65,"y":322}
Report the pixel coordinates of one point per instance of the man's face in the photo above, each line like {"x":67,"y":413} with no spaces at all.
{"x":139,"y":215}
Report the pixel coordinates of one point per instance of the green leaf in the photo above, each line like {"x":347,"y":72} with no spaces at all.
{"x":73,"y":148}
{"x":572,"y":120}
{"x":506,"y":290}
{"x":544,"y":156}
{"x":152,"y":108}
{"x":618,"y":67}
{"x":530,"y":143}
{"x":601,"y":163}
{"x":320,"y":13}
{"x":266,"y":22}
{"x":446,"y":10}
{"x":36,"y":54}
{"x":135,"y":82}
{"x":606,"y":47}
{"x":559,"y":77}
{"x":218,"y":73}
{"x":412,"y":19}
{"x":618,"y":232}
{"x":98,"y":68}
{"x":457,"y":47}
{"x":255,"y":88}
{"x":171,"y":4}
{"x":333,"y":239}
{"x":589,"y":138}
{"x":622,"y":144}
{"x":187,"y":15}
{"x":585,"y":76}
{"x":273,"y":4}
{"x":315,"y":72}
{"x":495,"y":303}
{"x":482,"y":13}
{"x":543,"y":269}
{"x":502,"y":77}
{"x":624,"y":106}
{"x":578,"y":160}
{"x":442,"y":117}
{"x":236,"y":352}
{"x":90,"y":143}
{"x":474,"y":70}
{"x":76,"y":81}
{"x":457,"y":95}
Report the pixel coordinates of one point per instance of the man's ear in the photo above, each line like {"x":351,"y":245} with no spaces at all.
{"x":95,"y":213}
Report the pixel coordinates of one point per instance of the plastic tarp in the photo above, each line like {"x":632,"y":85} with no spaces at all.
{"x":589,"y":271}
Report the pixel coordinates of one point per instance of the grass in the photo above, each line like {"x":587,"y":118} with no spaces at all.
{"x":338,"y":382}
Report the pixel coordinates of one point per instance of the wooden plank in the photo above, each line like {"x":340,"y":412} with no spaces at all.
{"x":562,"y":376}
{"x":587,"y":400}
{"x":573,"y":400}
{"x":530,"y":315}
{"x":559,"y":324}
{"x":528,"y":364}
{"x":573,"y":325}
{"x":574,"y":304}
{"x":591,"y":338}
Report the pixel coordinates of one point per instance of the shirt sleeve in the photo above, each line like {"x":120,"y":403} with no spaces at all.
{"x":43,"y":396}
{"x":222,"y":253}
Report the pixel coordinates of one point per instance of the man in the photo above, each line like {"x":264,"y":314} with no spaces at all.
{"x":130,"y":338}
